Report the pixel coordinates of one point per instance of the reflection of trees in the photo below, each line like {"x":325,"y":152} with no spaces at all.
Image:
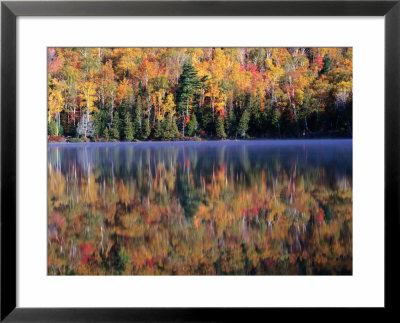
{"x":188,"y":195}
{"x":164,"y":209}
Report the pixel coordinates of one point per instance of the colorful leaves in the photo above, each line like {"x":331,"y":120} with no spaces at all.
{"x":290,"y":85}
{"x":87,"y":250}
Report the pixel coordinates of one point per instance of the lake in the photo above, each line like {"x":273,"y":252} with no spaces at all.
{"x":262,"y":207}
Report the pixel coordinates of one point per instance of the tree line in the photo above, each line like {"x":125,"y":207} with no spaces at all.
{"x":126,"y":94}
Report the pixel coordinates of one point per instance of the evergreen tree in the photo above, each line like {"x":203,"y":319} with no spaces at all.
{"x":306,"y":109}
{"x":101,"y":119}
{"x":220,"y":128}
{"x":52,"y":128}
{"x":327,"y":64}
{"x":146,"y":130}
{"x":124,"y":108}
{"x":188,"y":84}
{"x":244,"y":123}
{"x":171,"y":128}
{"x":159,"y":129}
{"x":137,"y":118}
{"x":192,"y":125}
{"x":128,"y":127}
{"x":115,"y":127}
{"x":106,"y":134}
{"x":276,"y":118}
{"x":256,"y":118}
{"x":206,"y":120}
{"x":230,"y":123}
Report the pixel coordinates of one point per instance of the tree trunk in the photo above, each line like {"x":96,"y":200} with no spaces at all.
{"x":87,"y":116}
{"x":212,"y":108}
{"x":112,"y":107}
{"x":187,"y":109}
{"x":74,"y":116}
{"x":58,"y":121}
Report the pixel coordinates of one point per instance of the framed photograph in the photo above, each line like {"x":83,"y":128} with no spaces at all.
{"x":197,"y":160}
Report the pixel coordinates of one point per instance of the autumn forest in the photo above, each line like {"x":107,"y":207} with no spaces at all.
{"x":136,"y":94}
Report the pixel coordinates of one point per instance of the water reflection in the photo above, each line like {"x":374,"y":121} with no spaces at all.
{"x":200,"y":208}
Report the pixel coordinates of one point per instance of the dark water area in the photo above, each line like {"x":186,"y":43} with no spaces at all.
{"x":262,"y":207}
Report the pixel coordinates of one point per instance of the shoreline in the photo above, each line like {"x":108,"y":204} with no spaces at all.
{"x":204,"y":141}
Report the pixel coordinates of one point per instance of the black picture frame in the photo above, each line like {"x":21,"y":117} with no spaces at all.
{"x":10,"y":10}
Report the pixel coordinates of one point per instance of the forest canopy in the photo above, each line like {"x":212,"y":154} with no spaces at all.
{"x":126,"y":94}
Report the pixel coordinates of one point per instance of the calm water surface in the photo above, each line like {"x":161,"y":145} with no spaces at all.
{"x":200,"y":208}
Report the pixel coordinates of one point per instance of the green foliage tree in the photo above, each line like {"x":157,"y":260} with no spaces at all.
{"x":188,"y":84}
{"x":192,"y":125}
{"x":231,"y":123}
{"x":244,"y":123}
{"x":137,"y":118}
{"x":220,"y":128}
{"x":306,"y":109}
{"x":52,"y":128}
{"x":171,"y":129}
{"x":101,"y":121}
{"x":327,"y":64}
{"x":106,"y":134}
{"x":276,"y":118}
{"x":159,"y":129}
{"x":257,"y":115}
{"x":128,"y":127}
{"x":146,"y":129}
{"x":115,"y":127}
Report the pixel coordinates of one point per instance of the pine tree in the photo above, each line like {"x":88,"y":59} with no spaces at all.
{"x":101,"y":119}
{"x":170,"y":129}
{"x":146,"y":130}
{"x":244,"y":123}
{"x":173,"y":128}
{"x":231,"y":123}
{"x":137,"y":118}
{"x":188,"y":84}
{"x":327,"y":64}
{"x":256,"y":116}
{"x":114,"y":131}
{"x":192,"y":125}
{"x":306,"y":109}
{"x":219,"y":128}
{"x":128,"y":127}
{"x":106,"y":134}
{"x":52,"y":128}
{"x":159,"y":129}
{"x":276,"y":118}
